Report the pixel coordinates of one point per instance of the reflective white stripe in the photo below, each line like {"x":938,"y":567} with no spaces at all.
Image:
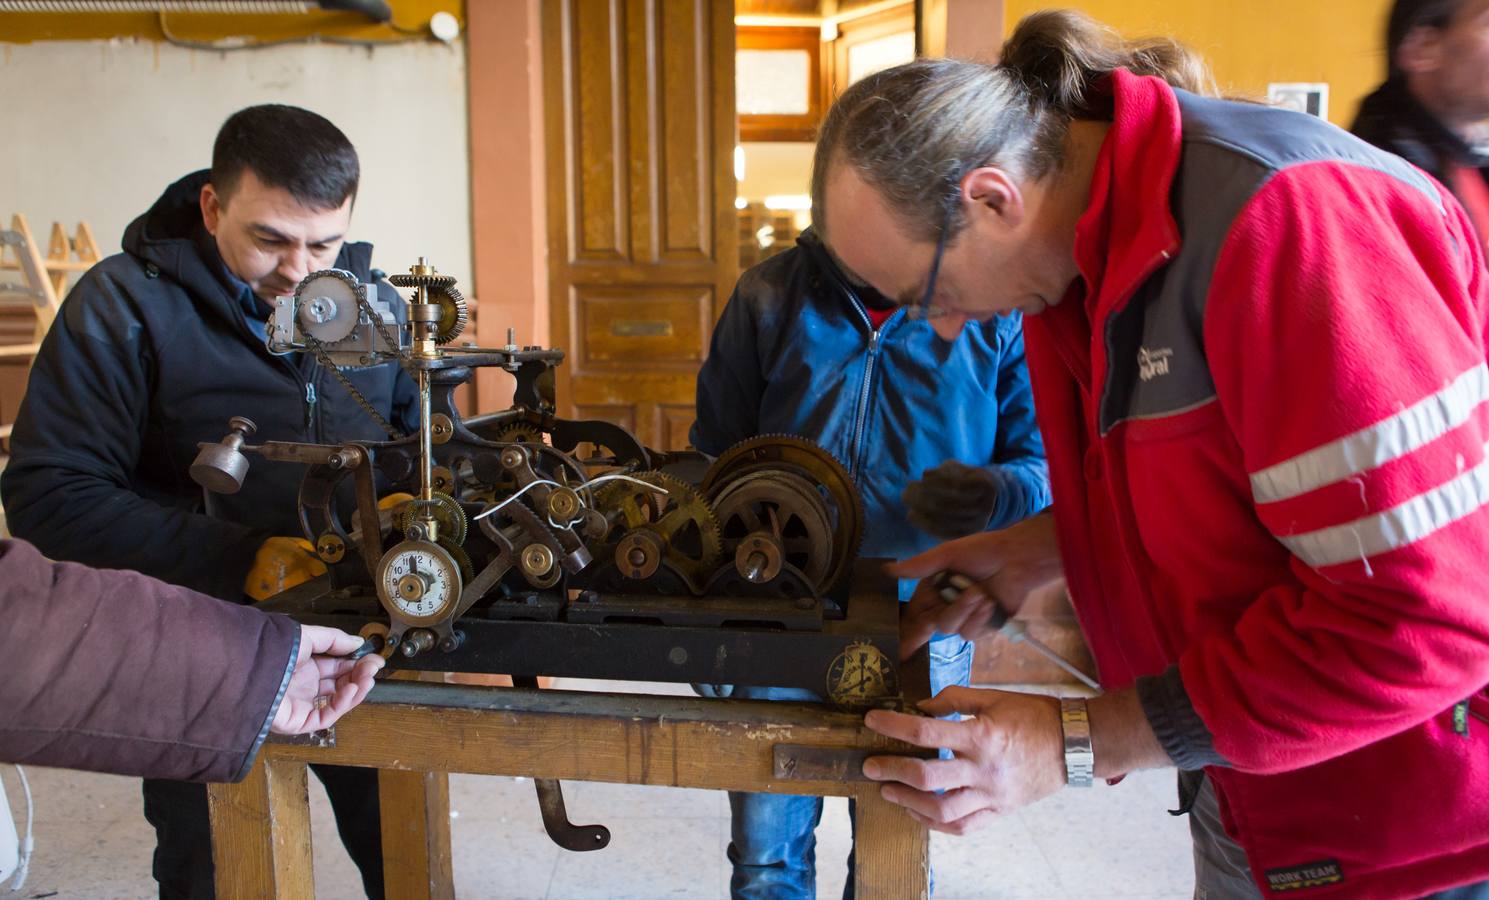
{"x":1396,"y":527}
{"x":1375,"y":445}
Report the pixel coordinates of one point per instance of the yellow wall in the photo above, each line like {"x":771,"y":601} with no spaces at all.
{"x":1252,"y":42}
{"x":22,"y":28}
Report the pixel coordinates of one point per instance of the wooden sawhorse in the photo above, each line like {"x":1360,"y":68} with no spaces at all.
{"x":417,"y":733}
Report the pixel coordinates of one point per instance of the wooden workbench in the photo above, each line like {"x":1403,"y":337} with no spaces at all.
{"x":417,"y":733}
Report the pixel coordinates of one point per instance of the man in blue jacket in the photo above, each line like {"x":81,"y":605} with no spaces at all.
{"x":152,"y":352}
{"x":939,"y":436}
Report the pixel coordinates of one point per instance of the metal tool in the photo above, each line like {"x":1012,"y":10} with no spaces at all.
{"x":951,"y":585}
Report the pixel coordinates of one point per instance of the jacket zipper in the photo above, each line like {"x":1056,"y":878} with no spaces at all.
{"x":310,"y":408}
{"x":860,"y":421}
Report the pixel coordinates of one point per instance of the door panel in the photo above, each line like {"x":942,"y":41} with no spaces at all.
{"x":639,"y":101}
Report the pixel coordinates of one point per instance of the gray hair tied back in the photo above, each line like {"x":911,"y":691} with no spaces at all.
{"x":916,"y":130}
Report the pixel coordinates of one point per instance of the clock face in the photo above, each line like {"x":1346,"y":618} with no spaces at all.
{"x":419,"y":581}
{"x":860,"y":676}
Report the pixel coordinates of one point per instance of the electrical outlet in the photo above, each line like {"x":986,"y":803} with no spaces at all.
{"x":1301,"y":96}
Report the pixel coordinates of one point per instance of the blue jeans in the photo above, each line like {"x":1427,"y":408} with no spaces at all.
{"x":773,"y":845}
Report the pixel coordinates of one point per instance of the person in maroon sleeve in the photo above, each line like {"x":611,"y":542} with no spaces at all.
{"x":112,"y":671}
{"x":1432,"y":107}
{"x":1257,"y":348}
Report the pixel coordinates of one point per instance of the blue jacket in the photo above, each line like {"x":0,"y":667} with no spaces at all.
{"x":794,"y":353}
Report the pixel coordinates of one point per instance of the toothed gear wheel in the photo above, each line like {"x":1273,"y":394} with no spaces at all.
{"x":329,"y":304}
{"x":774,"y":452}
{"x":447,"y":512}
{"x":462,"y":559}
{"x":409,"y":279}
{"x":788,"y":508}
{"x":520,"y":433}
{"x":453,"y":313}
{"x":681,"y":517}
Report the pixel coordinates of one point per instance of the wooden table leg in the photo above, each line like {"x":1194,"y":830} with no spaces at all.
{"x":892,"y":856}
{"x":261,"y":833}
{"x":415,"y":810}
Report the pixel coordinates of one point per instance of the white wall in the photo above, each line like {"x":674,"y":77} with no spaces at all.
{"x":95,"y":130}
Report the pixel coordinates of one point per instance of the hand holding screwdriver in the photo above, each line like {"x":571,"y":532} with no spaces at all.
{"x":949,"y":586}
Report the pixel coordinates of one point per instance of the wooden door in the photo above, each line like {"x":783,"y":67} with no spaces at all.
{"x":639,"y":108}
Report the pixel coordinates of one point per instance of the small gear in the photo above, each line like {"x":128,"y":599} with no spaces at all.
{"x":328,"y":304}
{"x":409,"y":279}
{"x":520,"y":433}
{"x":467,"y":568}
{"x":453,"y":312}
{"x":447,"y":513}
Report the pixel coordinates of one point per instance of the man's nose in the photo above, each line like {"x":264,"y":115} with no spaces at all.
{"x":294,"y":265}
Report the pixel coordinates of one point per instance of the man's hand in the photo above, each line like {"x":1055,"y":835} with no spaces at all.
{"x":280,"y":564}
{"x":1009,"y":756}
{"x":952,"y":500}
{"x":1008,"y":565}
{"x":324,"y":685}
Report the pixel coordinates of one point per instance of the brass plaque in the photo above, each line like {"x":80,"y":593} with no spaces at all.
{"x":641,"y":328}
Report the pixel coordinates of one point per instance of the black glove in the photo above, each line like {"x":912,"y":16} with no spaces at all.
{"x":952,"y":500}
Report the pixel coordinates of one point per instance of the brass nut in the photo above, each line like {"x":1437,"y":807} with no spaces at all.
{"x":442,"y":479}
{"x":537,"y":560}
{"x":563,"y":505}
{"x":441,"y":429}
{"x":330,"y":548}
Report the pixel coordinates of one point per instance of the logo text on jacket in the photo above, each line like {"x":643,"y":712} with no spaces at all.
{"x":1314,"y":874}
{"x":1152,"y":363}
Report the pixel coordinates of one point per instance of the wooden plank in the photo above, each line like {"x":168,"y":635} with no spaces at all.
{"x":12,"y":351}
{"x":621,"y":738}
{"x":893,"y":858}
{"x":415,"y":809}
{"x":261,"y":833}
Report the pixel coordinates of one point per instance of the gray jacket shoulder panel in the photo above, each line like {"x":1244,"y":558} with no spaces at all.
{"x":1156,"y":363}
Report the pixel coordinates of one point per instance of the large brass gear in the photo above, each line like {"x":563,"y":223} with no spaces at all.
{"x":462,"y":559}
{"x":680,"y":517}
{"x":447,"y":513}
{"x":789,"y":511}
{"x":775,"y":452}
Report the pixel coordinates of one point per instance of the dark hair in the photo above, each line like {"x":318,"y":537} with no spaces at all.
{"x":914,"y":131}
{"x":289,"y":148}
{"x":1408,"y":15}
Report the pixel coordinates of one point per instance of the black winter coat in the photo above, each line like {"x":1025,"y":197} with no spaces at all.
{"x":150,"y":354}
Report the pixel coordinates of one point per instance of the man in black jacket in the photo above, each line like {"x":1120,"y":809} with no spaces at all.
{"x":152,"y":352}
{"x":1432,"y":107}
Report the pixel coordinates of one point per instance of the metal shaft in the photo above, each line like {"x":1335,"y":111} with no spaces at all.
{"x":426,"y":442}
{"x":1059,"y":660}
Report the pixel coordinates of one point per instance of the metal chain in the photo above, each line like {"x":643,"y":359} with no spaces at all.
{"x":325,"y":360}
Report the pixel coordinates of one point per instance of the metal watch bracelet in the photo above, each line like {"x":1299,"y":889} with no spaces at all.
{"x":1080,"y":761}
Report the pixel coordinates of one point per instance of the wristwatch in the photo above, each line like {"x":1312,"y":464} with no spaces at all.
{"x":1080,"y":762}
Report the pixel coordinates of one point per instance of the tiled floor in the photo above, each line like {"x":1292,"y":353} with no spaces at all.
{"x":1109,"y":842}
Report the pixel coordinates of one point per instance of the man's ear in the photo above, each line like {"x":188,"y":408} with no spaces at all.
{"x":992,"y":191}
{"x":211,"y":208}
{"x":1420,"y":51}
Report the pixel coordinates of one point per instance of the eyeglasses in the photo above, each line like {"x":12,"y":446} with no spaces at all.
{"x":925,"y":309}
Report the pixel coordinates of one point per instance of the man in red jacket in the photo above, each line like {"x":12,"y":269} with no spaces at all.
{"x":1258,"y":354}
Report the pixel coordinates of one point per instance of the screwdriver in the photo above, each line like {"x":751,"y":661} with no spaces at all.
{"x":949,"y":587}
